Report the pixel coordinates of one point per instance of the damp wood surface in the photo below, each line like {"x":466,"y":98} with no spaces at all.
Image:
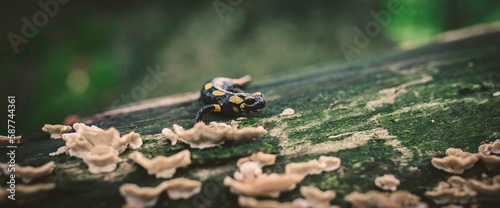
{"x":380,"y":114}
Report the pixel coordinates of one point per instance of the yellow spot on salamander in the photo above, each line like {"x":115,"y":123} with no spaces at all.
{"x":217,"y":108}
{"x":218,"y":93}
{"x":219,"y":83}
{"x":236,"y":110}
{"x":208,"y":85}
{"x":242,"y":107}
{"x":235,"y":99}
{"x":258,"y":93}
{"x":249,"y":97}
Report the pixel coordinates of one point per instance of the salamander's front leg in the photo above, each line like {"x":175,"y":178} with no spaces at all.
{"x":205,"y":109}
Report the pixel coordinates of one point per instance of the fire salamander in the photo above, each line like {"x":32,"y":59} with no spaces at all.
{"x":224,"y":95}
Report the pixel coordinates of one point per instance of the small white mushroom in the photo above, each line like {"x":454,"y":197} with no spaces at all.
{"x":402,"y":199}
{"x":387,"y":182}
{"x":489,"y":188}
{"x":170,"y":135}
{"x":317,"y":197}
{"x":331,"y":163}
{"x":101,"y":159}
{"x":287,"y":112}
{"x":405,"y":199}
{"x":456,"y":161}
{"x":260,"y":158}
{"x":29,"y":173}
{"x":311,"y":167}
{"x":136,"y":196}
{"x":248,"y":170}
{"x":369,"y":199}
{"x":179,"y":188}
{"x":161,"y":166}
{"x":493,"y":147}
{"x":56,"y":131}
{"x":452,"y":191}
{"x":182,"y":188}
{"x":80,"y":127}
{"x":60,"y":150}
{"x":264,"y":185}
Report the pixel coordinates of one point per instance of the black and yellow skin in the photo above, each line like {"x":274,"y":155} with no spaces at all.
{"x":225,"y":96}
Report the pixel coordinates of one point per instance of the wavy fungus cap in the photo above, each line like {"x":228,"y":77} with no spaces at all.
{"x":179,"y":188}
{"x":312,"y":167}
{"x":456,"y":161}
{"x":387,"y":182}
{"x":202,"y":136}
{"x":161,"y":166}
{"x":56,"y":131}
{"x":493,"y":147}
{"x":29,"y":173}
{"x":260,"y":158}
{"x":264,"y":185}
{"x":452,"y":191}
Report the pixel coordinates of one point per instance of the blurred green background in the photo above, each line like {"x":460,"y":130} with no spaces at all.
{"x":93,"y":55}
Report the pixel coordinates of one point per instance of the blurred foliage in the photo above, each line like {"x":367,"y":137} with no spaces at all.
{"x":93,"y":59}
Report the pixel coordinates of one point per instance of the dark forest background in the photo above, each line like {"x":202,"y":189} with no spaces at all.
{"x":95,"y":55}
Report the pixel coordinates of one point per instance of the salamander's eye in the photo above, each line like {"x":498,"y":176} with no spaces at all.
{"x":249,"y":101}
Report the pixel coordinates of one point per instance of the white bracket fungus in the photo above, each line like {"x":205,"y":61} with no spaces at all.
{"x":287,"y":112}
{"x":28,"y":193}
{"x":182,"y":188}
{"x":80,"y":127}
{"x":452,"y":191}
{"x":456,"y":161}
{"x":202,"y":136}
{"x":398,"y":199}
{"x":56,"y":131}
{"x":264,"y":185}
{"x":170,"y":135}
{"x":248,"y":170}
{"x":260,"y":158}
{"x":179,"y":188}
{"x":101,"y":159}
{"x":136,"y":196}
{"x":490,"y":188}
{"x":98,"y":148}
{"x":161,"y":166}
{"x":491,"y":162}
{"x":313,"y":198}
{"x":387,"y":182}
{"x":311,"y":167}
{"x":29,"y":173}
{"x":493,"y":147}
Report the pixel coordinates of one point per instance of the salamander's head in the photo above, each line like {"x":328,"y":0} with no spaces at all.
{"x":254,"y":102}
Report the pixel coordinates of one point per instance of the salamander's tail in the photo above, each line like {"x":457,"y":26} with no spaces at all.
{"x":243,"y":81}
